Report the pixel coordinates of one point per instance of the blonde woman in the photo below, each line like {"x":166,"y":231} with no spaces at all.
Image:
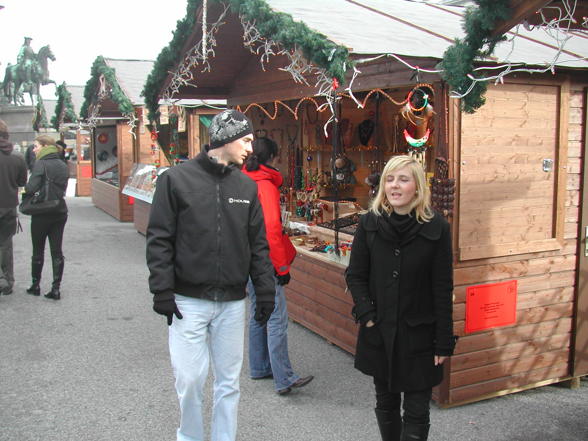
{"x":400,"y":278}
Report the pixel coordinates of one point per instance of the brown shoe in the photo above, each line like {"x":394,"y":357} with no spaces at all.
{"x":284,"y":391}
{"x":301,"y":382}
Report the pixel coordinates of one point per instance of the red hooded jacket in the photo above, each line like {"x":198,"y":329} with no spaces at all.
{"x":282,"y":252}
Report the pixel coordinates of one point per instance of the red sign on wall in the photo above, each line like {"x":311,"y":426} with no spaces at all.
{"x":86,"y":171}
{"x":491,"y":306}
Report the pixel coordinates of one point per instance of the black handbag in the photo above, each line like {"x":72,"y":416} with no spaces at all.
{"x":34,"y":204}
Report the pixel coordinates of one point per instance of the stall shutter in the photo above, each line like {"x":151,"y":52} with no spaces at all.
{"x":512,"y":173}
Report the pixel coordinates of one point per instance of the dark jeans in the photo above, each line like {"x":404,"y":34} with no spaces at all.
{"x":415,"y":404}
{"x":47,"y":226}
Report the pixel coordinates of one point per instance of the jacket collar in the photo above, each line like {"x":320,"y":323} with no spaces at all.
{"x":430,"y":230}
{"x":265,"y":173}
{"x":212,"y":166}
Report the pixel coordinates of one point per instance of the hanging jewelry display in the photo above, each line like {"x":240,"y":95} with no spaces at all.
{"x":154,"y":156}
{"x":295,"y":161}
{"x":442,"y":188}
{"x":344,"y":169}
{"x":346,"y":131}
{"x":278,"y":136}
{"x":312,"y":129}
{"x":395,"y":135}
{"x":418,"y":112}
{"x":174,"y":138}
{"x":365,"y":130}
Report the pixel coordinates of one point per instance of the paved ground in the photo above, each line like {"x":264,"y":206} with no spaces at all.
{"x":94,"y":366}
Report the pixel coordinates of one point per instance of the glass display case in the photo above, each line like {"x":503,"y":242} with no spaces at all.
{"x":141,"y":182}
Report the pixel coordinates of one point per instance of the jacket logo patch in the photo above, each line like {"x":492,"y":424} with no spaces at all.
{"x":238,"y":201}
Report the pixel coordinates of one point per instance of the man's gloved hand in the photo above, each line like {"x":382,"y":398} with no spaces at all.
{"x":263,"y":310}
{"x":165,"y":304}
{"x":283,"y":279}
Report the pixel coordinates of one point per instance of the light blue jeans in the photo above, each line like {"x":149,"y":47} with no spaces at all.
{"x":209,"y":330}
{"x":268,"y":344}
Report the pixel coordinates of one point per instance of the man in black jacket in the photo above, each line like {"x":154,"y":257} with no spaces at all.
{"x":13,"y":174}
{"x":205,"y":238}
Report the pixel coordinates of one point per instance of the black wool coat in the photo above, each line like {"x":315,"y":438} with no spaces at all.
{"x":54,"y":167}
{"x":406,"y":286}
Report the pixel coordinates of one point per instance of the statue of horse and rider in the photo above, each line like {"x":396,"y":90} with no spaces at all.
{"x":28,"y":74}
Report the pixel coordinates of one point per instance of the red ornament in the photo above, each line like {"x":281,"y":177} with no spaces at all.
{"x":335,"y":84}
{"x":153,"y":135}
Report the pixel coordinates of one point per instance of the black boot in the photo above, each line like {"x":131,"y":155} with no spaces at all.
{"x":58,"y":263}
{"x":36,"y":271}
{"x":415,"y":432}
{"x":389,"y":424}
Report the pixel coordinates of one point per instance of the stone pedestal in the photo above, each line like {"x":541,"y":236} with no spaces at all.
{"x":19,"y":120}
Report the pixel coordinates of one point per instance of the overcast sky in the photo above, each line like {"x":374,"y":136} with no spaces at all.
{"x":80,"y":30}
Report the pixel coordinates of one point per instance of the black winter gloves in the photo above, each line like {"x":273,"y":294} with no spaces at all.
{"x":263,"y":310}
{"x":165,"y":304}
{"x":283,"y":279}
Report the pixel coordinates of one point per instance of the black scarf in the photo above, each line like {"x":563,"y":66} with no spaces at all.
{"x":398,"y":227}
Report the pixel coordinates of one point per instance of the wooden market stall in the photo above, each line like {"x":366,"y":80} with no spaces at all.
{"x":180,"y":137}
{"x":111,"y":111}
{"x":508,"y":177}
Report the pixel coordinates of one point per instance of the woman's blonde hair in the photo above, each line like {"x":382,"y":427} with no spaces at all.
{"x":45,"y":140}
{"x":422,"y":202}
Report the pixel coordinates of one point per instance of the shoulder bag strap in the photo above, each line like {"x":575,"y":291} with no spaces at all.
{"x":47,"y":182}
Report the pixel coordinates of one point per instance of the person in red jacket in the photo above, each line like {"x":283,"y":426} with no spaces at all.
{"x":268,"y":343}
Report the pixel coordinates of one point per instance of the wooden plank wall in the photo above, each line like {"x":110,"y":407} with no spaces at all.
{"x":317,"y":299}
{"x":141,"y":211}
{"x":106,"y":197}
{"x":537,"y":349}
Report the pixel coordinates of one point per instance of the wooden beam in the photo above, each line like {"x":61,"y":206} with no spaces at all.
{"x":522,"y":9}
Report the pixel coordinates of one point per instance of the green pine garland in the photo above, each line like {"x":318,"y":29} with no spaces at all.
{"x":458,"y":60}
{"x":116,"y":94}
{"x":64,"y":110}
{"x":278,"y":27}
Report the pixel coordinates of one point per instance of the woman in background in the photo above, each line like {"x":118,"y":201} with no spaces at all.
{"x":268,"y":344}
{"x":48,"y":165}
{"x":401,"y":279}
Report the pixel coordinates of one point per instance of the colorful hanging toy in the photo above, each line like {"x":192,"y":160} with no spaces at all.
{"x":417,"y":112}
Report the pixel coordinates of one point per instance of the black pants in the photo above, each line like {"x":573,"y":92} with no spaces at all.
{"x":416,"y":404}
{"x":47,"y":226}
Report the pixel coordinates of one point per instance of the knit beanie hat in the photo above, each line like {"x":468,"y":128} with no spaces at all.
{"x":3,"y":130}
{"x":228,"y":126}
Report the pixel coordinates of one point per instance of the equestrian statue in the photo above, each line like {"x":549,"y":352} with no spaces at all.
{"x":30,"y":72}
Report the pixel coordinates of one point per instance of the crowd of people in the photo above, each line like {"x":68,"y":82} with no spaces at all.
{"x":215,"y":237}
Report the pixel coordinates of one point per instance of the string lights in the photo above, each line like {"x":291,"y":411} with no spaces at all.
{"x":558,"y":29}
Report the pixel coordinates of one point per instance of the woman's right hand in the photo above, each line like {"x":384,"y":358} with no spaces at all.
{"x":369,"y":324}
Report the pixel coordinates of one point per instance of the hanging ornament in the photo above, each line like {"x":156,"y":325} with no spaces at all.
{"x":416,"y":143}
{"x":418,"y":112}
{"x":154,"y":155}
{"x":365,"y":130}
